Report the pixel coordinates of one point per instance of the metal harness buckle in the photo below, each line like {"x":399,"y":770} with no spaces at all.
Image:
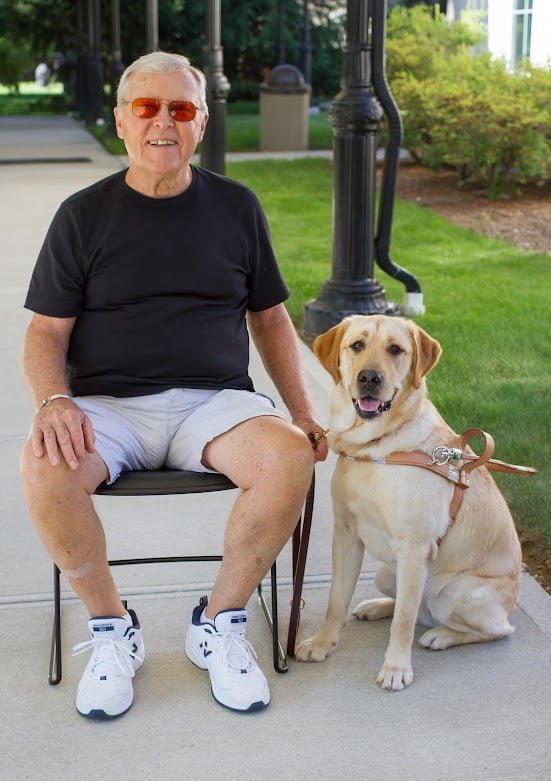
{"x":442,"y":455}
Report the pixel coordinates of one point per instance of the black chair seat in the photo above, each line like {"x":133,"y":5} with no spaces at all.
{"x":163,"y":482}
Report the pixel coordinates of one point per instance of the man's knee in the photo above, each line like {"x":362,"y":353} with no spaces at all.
{"x":287,"y":454}
{"x":40,"y":477}
{"x":265,"y":448}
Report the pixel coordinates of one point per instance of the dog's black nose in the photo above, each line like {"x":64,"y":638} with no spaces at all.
{"x":370,"y":380}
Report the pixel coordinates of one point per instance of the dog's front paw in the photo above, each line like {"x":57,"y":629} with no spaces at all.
{"x":316,"y":648}
{"x":395,"y":678}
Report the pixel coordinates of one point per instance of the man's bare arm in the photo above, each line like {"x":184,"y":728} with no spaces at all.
{"x":277,"y":343}
{"x":60,"y":428}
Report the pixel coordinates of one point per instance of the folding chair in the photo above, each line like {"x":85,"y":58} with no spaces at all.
{"x":164,"y":482}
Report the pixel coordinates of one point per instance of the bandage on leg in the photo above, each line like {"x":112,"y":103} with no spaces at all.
{"x":79,"y":572}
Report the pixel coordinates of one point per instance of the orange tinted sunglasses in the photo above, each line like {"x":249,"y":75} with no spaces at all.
{"x":147,"y":108}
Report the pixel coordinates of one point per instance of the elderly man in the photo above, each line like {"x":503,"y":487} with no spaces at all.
{"x":137,"y":357}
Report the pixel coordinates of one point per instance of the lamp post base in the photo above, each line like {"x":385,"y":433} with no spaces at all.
{"x":338,"y":300}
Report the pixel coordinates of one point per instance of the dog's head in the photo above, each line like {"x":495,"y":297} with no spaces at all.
{"x":376,"y":361}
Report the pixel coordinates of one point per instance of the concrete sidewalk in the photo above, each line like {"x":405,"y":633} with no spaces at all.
{"x":474,"y":712}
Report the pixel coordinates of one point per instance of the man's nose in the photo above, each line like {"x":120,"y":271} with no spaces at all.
{"x":163,"y":117}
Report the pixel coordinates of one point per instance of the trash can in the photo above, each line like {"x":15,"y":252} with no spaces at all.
{"x":284,"y":109}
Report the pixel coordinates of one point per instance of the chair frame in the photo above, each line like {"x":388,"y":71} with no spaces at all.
{"x":164,"y":482}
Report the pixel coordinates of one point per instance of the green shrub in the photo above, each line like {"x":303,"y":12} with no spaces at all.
{"x":14,"y":61}
{"x":467,"y":111}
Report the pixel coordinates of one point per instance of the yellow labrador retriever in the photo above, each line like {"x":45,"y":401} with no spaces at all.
{"x":461,"y":578}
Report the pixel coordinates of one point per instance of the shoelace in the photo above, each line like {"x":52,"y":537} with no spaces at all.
{"x":238,"y":651}
{"x":110,"y":652}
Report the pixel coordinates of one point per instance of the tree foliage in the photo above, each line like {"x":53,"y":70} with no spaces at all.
{"x":249,"y":34}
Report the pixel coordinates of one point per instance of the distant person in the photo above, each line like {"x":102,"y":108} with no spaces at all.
{"x":144,"y":294}
{"x":42,"y":74}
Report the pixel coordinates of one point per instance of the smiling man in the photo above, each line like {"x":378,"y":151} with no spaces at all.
{"x":144,"y":294}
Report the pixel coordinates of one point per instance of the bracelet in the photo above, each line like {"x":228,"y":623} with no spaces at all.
{"x":48,"y":400}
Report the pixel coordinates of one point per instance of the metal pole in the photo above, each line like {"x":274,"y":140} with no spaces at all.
{"x":281,"y":49}
{"x":117,"y":66}
{"x":94,"y":109}
{"x":306,"y":46}
{"x":355,"y":116}
{"x":81,"y":69}
{"x":213,"y":147}
{"x":152,"y":25}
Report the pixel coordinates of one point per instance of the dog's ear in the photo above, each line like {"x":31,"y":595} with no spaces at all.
{"x":327,"y":348}
{"x":426,"y":352}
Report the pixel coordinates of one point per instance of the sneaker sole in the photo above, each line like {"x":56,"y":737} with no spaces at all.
{"x":253,"y":708}
{"x":100,"y":715}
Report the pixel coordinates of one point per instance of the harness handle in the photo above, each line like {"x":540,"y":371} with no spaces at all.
{"x":473,"y":462}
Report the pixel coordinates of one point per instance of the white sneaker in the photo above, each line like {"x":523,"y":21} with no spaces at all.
{"x":236,"y":680}
{"x":105,"y":689}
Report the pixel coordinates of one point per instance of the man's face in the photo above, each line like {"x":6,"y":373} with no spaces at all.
{"x":160,"y":148}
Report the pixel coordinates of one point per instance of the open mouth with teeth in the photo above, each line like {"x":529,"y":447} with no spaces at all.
{"x":162,"y":142}
{"x":369,"y":407}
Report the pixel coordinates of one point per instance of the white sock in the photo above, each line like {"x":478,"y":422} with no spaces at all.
{"x":204,"y":619}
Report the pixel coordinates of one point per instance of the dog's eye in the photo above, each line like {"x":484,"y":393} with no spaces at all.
{"x":395,"y":349}
{"x":357,"y":346}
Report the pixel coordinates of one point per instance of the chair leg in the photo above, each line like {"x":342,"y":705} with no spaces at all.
{"x":54,"y":676}
{"x":279,"y":658}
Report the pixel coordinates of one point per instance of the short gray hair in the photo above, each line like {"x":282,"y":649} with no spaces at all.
{"x":163,"y":62}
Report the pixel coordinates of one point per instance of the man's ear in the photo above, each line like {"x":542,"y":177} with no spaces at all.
{"x":327,"y":349}
{"x":204,"y":123}
{"x":118,"y":121}
{"x":426,"y":353}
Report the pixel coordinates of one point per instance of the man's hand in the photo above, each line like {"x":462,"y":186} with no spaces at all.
{"x":62,"y":430}
{"x":317,"y":436}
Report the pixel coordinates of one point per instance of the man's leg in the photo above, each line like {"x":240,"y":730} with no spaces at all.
{"x":272,"y":462}
{"x":60,"y":503}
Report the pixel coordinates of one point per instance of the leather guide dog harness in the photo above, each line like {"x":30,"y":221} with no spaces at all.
{"x":439,"y":463}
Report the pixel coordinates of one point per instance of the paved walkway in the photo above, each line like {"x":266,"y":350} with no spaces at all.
{"x":480,"y":712}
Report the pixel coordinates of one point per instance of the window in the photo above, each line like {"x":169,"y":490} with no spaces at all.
{"x":522,"y":29}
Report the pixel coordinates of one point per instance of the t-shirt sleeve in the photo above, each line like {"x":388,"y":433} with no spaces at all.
{"x":57,"y":282}
{"x":267,"y":287}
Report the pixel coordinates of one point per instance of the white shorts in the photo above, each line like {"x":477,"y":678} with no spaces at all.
{"x":170,"y":428}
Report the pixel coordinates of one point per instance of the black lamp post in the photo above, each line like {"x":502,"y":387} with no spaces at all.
{"x":280,"y":44}
{"x":152,"y":25}
{"x":305,"y":45}
{"x":117,"y":66}
{"x":213,"y":147}
{"x":355,"y":115}
{"x":94,"y":107}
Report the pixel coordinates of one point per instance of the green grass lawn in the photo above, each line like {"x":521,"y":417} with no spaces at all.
{"x":487,"y":303}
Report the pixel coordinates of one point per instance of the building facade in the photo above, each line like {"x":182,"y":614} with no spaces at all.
{"x":516,"y":29}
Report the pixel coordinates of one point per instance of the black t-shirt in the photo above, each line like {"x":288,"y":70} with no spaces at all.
{"x":159,"y":286}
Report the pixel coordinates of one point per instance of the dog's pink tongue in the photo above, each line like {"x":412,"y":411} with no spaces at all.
{"x":368,"y":404}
